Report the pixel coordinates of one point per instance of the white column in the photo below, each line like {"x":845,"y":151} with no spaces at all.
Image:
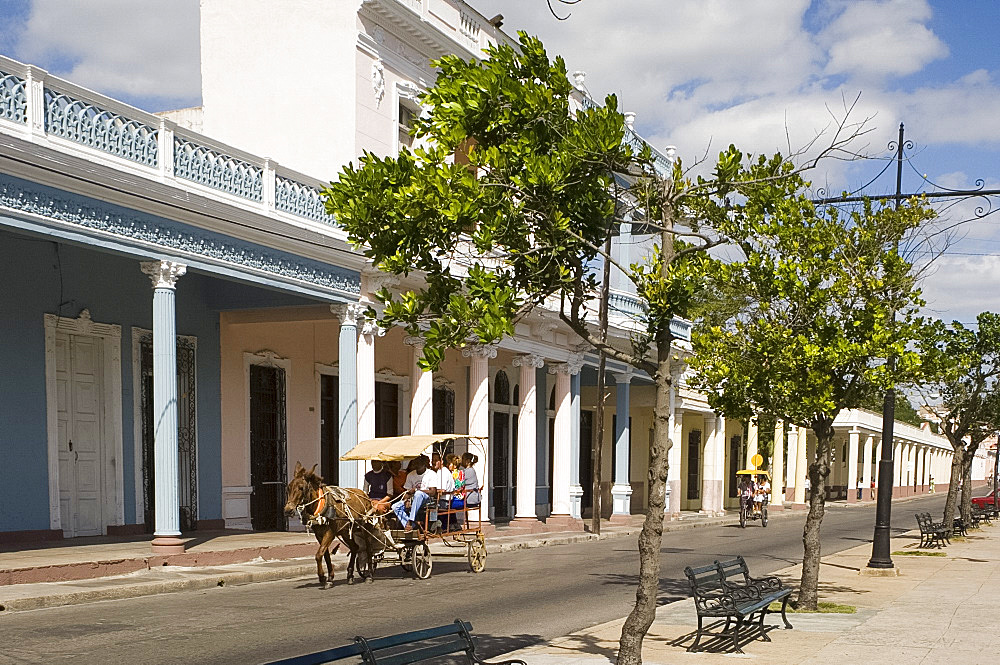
{"x":575,"y":489}
{"x":479,"y":415}
{"x":621,"y":488}
{"x":801,"y":465}
{"x":674,"y":456}
{"x":527,"y":435}
{"x":778,"y":467}
{"x":721,"y":449}
{"x":366,"y":387}
{"x":752,"y":442}
{"x":707,"y":460}
{"x":921,"y":466}
{"x":164,"y":275}
{"x":866,"y":468}
{"x":347,"y":389}
{"x":853,"y":441}
{"x":422,"y":400}
{"x":563,"y":441}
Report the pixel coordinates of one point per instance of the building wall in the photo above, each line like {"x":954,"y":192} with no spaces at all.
{"x":278,"y":79}
{"x":42,"y":277}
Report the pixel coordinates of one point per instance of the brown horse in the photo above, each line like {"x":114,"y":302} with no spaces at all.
{"x":331,"y":513}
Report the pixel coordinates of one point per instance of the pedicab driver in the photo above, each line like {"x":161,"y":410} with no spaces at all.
{"x":419,"y":488}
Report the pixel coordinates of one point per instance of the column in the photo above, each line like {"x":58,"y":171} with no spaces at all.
{"x":674,"y":457}
{"x":562,"y":443}
{"x":575,"y":488}
{"x":164,"y":275}
{"x":853,"y":441}
{"x":866,"y":467}
{"x":721,"y":448}
{"x":347,"y":388}
{"x":752,"y":436}
{"x":621,"y":488}
{"x":365,"y":370}
{"x":479,"y":416}
{"x":708,"y":462}
{"x":527,"y":435}
{"x":897,"y":455}
{"x":778,"y":467}
{"x":801,"y":467}
{"x":920,"y":480}
{"x":422,"y":400}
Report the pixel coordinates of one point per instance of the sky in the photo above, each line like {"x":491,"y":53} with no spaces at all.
{"x":699,"y":74}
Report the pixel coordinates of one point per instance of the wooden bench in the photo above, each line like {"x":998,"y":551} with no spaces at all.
{"x":413,"y":647}
{"x":931,"y":533}
{"x":727,"y":590}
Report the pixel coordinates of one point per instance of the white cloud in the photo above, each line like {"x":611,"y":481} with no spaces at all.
{"x":136,"y":48}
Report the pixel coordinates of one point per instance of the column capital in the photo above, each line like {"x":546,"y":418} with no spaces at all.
{"x":529,"y":360}
{"x":371,"y":328}
{"x":348,"y":313}
{"x":376,"y":280}
{"x":415,"y":341}
{"x":163,"y":274}
{"x":571,"y":367}
{"x":480,"y":351}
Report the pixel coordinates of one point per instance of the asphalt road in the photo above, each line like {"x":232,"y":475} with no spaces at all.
{"x":521,"y":598}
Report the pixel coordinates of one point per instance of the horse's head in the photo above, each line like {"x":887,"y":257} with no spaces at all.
{"x":300,"y":489}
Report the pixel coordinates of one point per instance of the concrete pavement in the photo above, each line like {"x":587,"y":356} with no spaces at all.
{"x":939,"y":610}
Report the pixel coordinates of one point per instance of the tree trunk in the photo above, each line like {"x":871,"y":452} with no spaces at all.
{"x":641,"y":617}
{"x":953,"y":482}
{"x":819,"y":470}
{"x":970,"y":457}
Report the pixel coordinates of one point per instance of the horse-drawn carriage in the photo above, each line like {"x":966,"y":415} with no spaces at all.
{"x":371,"y":534}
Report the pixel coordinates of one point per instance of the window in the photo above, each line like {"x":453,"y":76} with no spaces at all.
{"x":406,"y":118}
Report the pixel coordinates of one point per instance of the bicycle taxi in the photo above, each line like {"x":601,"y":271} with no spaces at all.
{"x":755,"y":495}
{"x":412,"y":547}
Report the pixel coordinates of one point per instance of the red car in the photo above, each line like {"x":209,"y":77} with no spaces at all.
{"x":983,"y":501}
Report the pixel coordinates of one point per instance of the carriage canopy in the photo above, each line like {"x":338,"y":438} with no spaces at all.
{"x":388,"y":448}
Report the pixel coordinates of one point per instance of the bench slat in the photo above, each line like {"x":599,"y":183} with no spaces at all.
{"x":424,"y":653}
{"x":380,"y":643}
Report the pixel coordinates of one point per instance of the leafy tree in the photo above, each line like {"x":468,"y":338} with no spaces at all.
{"x":961,"y":388}
{"x":904,"y":410}
{"x":520,"y":218}
{"x":820,"y":294}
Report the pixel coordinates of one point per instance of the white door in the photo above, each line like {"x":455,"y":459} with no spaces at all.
{"x":81,"y":456}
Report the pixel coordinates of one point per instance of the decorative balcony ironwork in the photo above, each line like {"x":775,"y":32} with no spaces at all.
{"x":217,"y":170}
{"x":13,"y":98}
{"x":627,"y":305}
{"x":298,"y":199}
{"x":93,"y":126}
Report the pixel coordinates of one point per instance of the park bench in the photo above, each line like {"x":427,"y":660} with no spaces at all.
{"x":726,"y":590}
{"x":418,"y":646}
{"x":931,"y":533}
{"x":980,"y":515}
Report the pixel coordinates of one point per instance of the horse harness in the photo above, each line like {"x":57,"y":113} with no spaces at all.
{"x":327,"y":499}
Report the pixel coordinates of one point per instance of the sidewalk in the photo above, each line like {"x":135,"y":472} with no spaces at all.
{"x":939,"y":610}
{"x":91,"y":569}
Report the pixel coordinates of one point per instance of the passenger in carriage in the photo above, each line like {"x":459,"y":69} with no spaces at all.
{"x":446,"y":487}
{"x":378,"y":486}
{"x":398,"y":477}
{"x":419,"y":488}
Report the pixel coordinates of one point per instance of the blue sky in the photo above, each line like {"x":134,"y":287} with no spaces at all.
{"x":700,"y":74}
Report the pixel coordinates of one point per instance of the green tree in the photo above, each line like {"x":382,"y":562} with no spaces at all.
{"x":519,"y":218}
{"x":820,"y":294}
{"x":963,"y":367}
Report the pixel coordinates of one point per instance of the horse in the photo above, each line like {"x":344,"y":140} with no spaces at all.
{"x":331,"y":513}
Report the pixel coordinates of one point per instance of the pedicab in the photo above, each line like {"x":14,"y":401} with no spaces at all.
{"x":753,"y":497}
{"x":412,"y":547}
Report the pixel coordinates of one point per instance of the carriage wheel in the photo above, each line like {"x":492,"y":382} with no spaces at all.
{"x":422,"y":562}
{"x":763,"y":516}
{"x":477,"y":556}
{"x":406,"y":558}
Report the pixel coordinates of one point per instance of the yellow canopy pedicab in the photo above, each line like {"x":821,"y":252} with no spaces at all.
{"x":413,"y":547}
{"x":754,"y":494}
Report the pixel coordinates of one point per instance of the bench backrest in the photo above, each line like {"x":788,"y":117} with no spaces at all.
{"x":427,"y":645}
{"x":704,"y":580}
{"x":734,"y":568}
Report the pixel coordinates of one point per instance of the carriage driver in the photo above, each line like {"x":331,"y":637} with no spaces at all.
{"x":420,"y":486}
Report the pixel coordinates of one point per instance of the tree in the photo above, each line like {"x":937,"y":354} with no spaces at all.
{"x":961,"y":388}
{"x":520,"y":217}
{"x":827,"y":299}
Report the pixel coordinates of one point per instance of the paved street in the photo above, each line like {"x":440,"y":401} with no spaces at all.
{"x":522,"y":598}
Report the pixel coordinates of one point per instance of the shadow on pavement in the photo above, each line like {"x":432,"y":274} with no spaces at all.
{"x":670,"y":590}
{"x":717,"y":637}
